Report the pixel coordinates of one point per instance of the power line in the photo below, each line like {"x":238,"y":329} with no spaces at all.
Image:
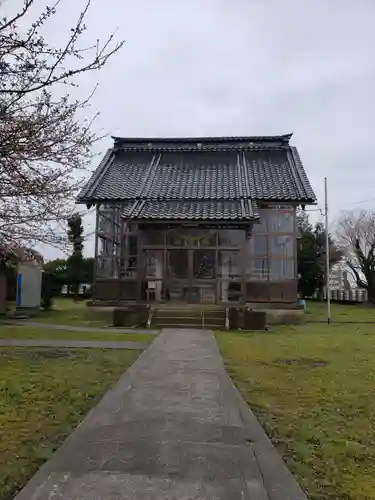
{"x":364,"y":201}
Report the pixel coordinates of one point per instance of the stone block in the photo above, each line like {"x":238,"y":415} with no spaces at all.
{"x":129,"y":316}
{"x":254,"y":320}
{"x":100,"y":314}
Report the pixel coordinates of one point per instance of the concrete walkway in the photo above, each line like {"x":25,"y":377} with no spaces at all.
{"x":75,"y":328}
{"x":74,"y":344}
{"x":173,"y":428}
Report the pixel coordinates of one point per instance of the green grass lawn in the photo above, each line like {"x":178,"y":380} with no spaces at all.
{"x":28,"y":332}
{"x":340,"y":312}
{"x":312,"y":387}
{"x":67,"y":312}
{"x":44,"y":394}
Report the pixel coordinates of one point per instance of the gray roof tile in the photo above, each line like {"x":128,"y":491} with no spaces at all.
{"x":192,"y":210}
{"x":264,"y":168}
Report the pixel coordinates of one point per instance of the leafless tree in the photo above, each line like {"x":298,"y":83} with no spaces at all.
{"x":356,"y":232}
{"x":44,"y":147}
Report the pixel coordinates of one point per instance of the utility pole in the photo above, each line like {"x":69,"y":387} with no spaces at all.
{"x":328,"y":288}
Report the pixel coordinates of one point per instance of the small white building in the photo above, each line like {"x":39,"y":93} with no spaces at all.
{"x":29,"y":284}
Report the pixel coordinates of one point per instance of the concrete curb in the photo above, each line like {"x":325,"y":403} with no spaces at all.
{"x":72,"y":344}
{"x":76,"y":328}
{"x":279,"y":481}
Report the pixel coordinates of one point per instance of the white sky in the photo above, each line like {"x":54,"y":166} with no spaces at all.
{"x":244,"y":67}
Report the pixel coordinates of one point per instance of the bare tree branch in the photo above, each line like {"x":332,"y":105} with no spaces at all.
{"x":356,"y":232}
{"x":6,"y":23}
{"x":44,"y":148}
{"x":31,"y":64}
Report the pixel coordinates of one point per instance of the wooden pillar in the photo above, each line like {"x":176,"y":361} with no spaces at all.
{"x":113,"y":242}
{"x":96,"y":257}
{"x":244,"y":261}
{"x":295,"y":250}
{"x":140,"y":266}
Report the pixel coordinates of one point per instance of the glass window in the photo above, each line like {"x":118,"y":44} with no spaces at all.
{"x":104,"y":225}
{"x":154,"y":237}
{"x":204,"y":264}
{"x":280,"y":222}
{"x":154,"y":263}
{"x":175,"y":238}
{"x":132,"y":245}
{"x":129,"y":267}
{"x":104,"y":267}
{"x":209,"y":238}
{"x":281,"y":269}
{"x":105,"y":247}
{"x":281,"y":246}
{"x":178,"y":263}
{"x":261,"y":226}
{"x":229,"y":264}
{"x":258,"y":269}
{"x":192,"y":237}
{"x":231,"y":237}
{"x":258,"y":246}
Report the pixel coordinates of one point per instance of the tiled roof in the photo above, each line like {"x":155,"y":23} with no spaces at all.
{"x":185,"y":171}
{"x":191,"y":210}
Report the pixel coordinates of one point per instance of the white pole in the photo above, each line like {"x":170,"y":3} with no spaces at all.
{"x":328,"y":289}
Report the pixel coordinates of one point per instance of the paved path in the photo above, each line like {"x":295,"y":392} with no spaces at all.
{"x":75,"y":328}
{"x":173,"y":428}
{"x":74,"y":344}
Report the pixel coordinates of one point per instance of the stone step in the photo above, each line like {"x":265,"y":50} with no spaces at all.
{"x":188,"y":313}
{"x":189,"y":321}
{"x":207,"y":326}
{"x":174,"y":319}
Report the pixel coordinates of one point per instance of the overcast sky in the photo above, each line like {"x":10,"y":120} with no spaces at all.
{"x":244,"y":67}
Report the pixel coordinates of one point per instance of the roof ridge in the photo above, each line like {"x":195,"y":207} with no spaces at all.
{"x":239,"y":171}
{"x":246,"y":174}
{"x":305,"y":183}
{"x":145,"y":188}
{"x":294,"y":172}
{"x":97,"y":174}
{"x":146,"y":175}
{"x":282,"y":137}
{"x":171,"y":148}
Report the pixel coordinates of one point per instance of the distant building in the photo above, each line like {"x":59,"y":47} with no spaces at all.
{"x":341,"y":277}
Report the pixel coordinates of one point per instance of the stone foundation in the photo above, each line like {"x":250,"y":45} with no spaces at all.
{"x":281,"y":315}
{"x":102,"y":314}
{"x":130,"y":316}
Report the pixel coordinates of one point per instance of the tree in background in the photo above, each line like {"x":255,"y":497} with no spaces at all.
{"x":356,"y":233}
{"x":61,"y":274}
{"x":57,"y":271}
{"x":44,"y":147}
{"x":75,"y":235}
{"x":311,"y":255}
{"x":75,"y":261}
{"x":76,"y":269}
